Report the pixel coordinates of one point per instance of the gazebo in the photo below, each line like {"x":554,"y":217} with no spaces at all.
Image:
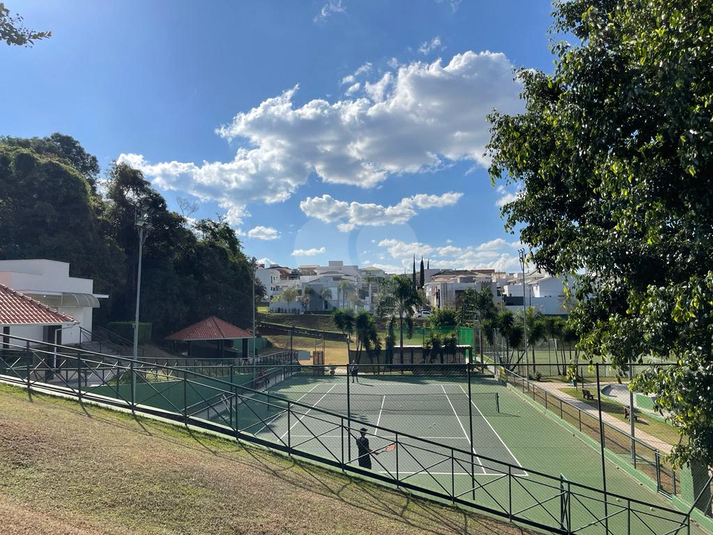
{"x":213,"y":338}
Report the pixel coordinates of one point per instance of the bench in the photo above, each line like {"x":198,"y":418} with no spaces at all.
{"x":586,"y":394}
{"x":627,"y":414}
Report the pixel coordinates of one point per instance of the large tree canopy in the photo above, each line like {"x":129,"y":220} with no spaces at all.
{"x":49,"y":209}
{"x":613,"y":158}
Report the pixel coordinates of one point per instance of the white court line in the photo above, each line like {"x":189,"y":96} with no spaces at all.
{"x":442,"y":473}
{"x":280,"y":414}
{"x":387,"y":438}
{"x":306,"y":413}
{"x":383,"y":399}
{"x":463,"y":429}
{"x":494,"y":431}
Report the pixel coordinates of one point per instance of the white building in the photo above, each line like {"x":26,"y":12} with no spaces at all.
{"x":542,"y":292}
{"x":444,"y":289}
{"x":48,"y":282}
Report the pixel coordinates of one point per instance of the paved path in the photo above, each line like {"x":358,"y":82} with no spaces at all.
{"x":555,"y":389}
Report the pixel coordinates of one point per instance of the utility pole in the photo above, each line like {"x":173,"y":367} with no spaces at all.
{"x":524,"y":309}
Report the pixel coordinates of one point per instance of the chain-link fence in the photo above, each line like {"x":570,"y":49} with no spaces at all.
{"x":298,"y":423}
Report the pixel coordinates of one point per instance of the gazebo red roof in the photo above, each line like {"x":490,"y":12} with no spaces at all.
{"x":212,"y":328}
{"x":18,"y":309}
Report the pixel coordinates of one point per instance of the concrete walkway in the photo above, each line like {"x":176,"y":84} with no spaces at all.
{"x":555,"y":389}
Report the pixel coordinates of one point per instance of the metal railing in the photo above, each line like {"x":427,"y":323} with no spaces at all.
{"x":251,"y":412}
{"x":646,"y":458}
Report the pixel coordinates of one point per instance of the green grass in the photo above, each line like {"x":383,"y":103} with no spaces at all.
{"x":645,"y":422}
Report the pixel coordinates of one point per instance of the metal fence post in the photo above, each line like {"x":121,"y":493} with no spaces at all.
{"x":349,"y":413}
{"x":132,"y":385}
{"x":510,"y":492}
{"x":232,"y":390}
{"x":289,"y":425}
{"x":27,"y":360}
{"x":396,"y":439}
{"x":79,"y":377}
{"x":185,"y":396}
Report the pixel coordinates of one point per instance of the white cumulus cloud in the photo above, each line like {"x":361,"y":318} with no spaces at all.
{"x":263,"y":233}
{"x":497,"y":254}
{"x":356,"y":214}
{"x":505,"y":196}
{"x":412,"y":119}
{"x":308,"y":252}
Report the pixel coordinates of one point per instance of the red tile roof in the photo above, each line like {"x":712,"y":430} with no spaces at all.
{"x":212,"y":328}
{"x":18,"y":309}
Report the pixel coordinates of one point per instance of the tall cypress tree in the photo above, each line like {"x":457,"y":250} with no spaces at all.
{"x":422,"y":280}
{"x":413,"y":276}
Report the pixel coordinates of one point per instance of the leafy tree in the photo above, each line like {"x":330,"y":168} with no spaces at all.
{"x":289,"y":296}
{"x":61,"y":147}
{"x":47,"y":210}
{"x":444,"y":317}
{"x":398,"y":298}
{"x":613,"y":159}
{"x":13,"y":33}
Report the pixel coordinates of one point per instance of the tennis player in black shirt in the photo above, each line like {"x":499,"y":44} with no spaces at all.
{"x":364,"y":451}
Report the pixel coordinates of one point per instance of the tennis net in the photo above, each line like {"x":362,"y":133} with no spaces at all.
{"x":398,"y":403}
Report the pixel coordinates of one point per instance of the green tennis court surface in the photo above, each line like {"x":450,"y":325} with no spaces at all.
{"x":433,"y":410}
{"x":510,"y":436}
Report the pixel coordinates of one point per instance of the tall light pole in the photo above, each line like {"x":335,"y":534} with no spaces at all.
{"x":142,"y":224}
{"x":254,"y":306}
{"x":524,"y":309}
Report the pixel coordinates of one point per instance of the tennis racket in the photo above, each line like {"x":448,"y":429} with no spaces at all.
{"x":390,"y":447}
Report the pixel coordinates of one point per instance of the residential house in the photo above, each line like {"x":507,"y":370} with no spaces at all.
{"x":48,"y":282}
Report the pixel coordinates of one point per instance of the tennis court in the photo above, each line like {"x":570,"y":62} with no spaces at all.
{"x":433,"y":409}
{"x":509,"y":435}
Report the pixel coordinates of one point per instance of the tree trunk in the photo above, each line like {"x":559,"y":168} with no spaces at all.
{"x":401,"y":337}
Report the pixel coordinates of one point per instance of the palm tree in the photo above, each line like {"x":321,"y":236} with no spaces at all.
{"x":536,"y":332}
{"x":344,"y":321}
{"x":367,"y":338}
{"x":345,"y":287}
{"x":326,"y":294}
{"x":399,"y":299}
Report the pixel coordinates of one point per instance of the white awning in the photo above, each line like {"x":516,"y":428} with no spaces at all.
{"x":65,"y":299}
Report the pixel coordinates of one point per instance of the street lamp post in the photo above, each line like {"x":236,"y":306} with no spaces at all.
{"x":524,"y":309}
{"x":141,"y":223}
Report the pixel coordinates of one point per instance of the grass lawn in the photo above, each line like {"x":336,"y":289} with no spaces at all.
{"x":81,"y":470}
{"x":335,"y":352}
{"x":647,"y":423}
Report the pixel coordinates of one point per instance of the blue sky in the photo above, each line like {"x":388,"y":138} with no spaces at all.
{"x":321,"y":129}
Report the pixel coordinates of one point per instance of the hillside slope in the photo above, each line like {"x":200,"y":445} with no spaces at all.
{"x":68,"y":469}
